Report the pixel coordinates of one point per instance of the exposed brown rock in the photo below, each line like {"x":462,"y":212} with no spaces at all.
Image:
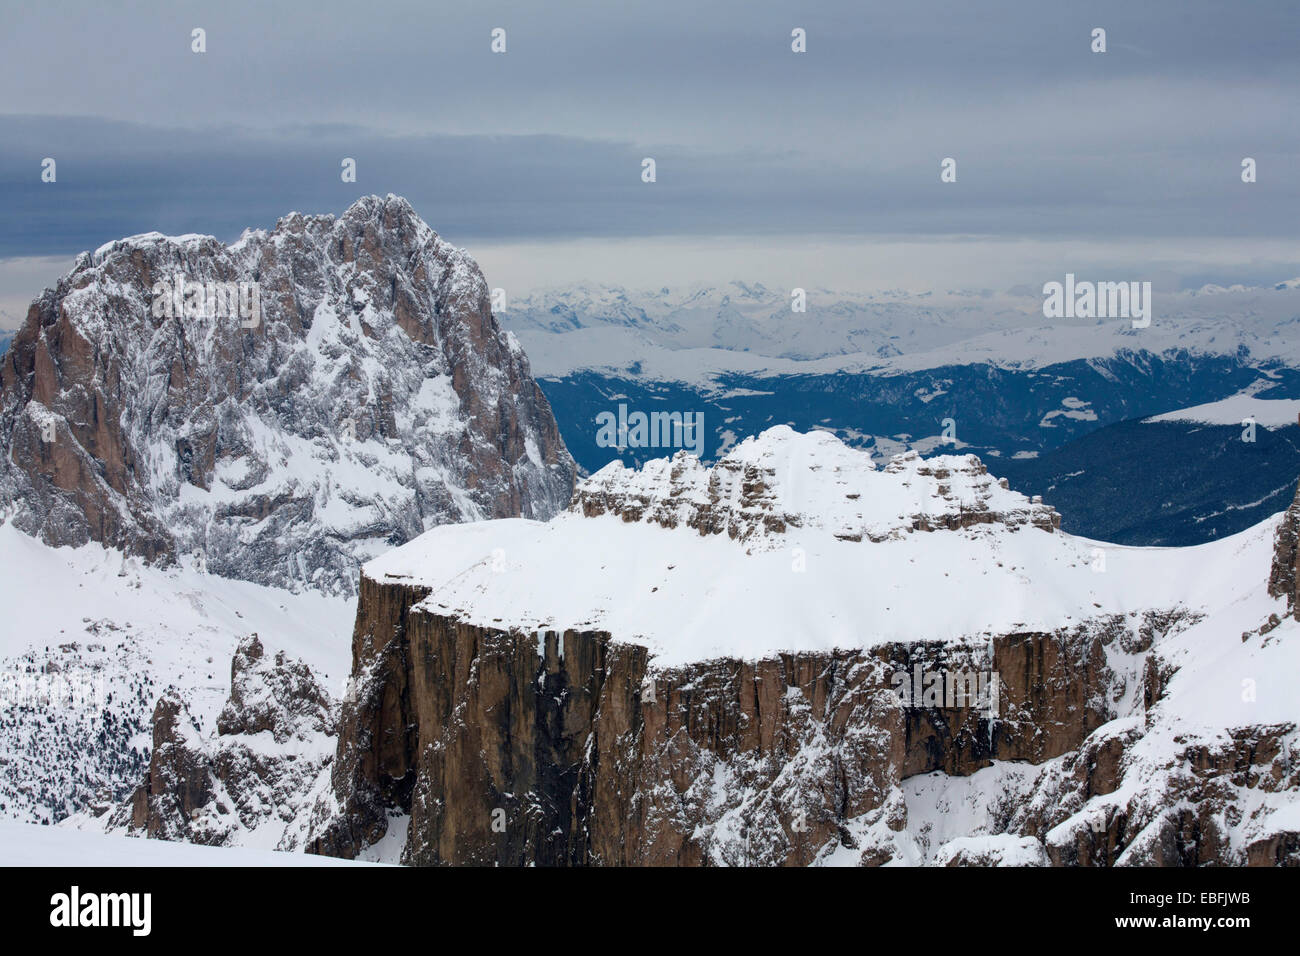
{"x":1282,"y":581}
{"x":179,"y":782}
{"x":1179,"y":819}
{"x":212,"y":790}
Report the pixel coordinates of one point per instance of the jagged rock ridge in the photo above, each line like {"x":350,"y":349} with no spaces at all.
{"x":764,"y":486}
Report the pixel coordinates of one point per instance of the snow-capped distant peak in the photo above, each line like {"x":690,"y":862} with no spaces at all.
{"x":1211,"y":288}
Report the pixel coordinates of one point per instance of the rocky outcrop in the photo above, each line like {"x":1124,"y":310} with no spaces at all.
{"x":1181,"y":817}
{"x":279,"y":697}
{"x":368,"y":396}
{"x":1282,"y":582}
{"x":180,"y":781}
{"x":275,"y":738}
{"x":746,"y":494}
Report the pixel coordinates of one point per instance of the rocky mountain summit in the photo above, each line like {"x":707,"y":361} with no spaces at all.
{"x":746,"y":494}
{"x":283,"y":408}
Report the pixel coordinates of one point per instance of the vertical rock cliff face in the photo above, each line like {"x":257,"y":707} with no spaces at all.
{"x":504,"y":742}
{"x":369,"y":396}
{"x":583,"y":754}
{"x":568,"y":749}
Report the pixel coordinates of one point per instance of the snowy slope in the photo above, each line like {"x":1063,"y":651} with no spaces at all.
{"x":1267,"y":413}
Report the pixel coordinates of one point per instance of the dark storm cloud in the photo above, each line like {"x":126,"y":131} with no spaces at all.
{"x":117,"y":179}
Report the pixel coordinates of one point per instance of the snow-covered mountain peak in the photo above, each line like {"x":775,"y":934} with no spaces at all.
{"x":287,"y":406}
{"x":783,"y":478}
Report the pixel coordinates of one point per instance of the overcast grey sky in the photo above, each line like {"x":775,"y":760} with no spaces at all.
{"x":823,"y":162}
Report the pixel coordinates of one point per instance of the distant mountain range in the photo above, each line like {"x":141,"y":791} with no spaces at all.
{"x":694,"y":335}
